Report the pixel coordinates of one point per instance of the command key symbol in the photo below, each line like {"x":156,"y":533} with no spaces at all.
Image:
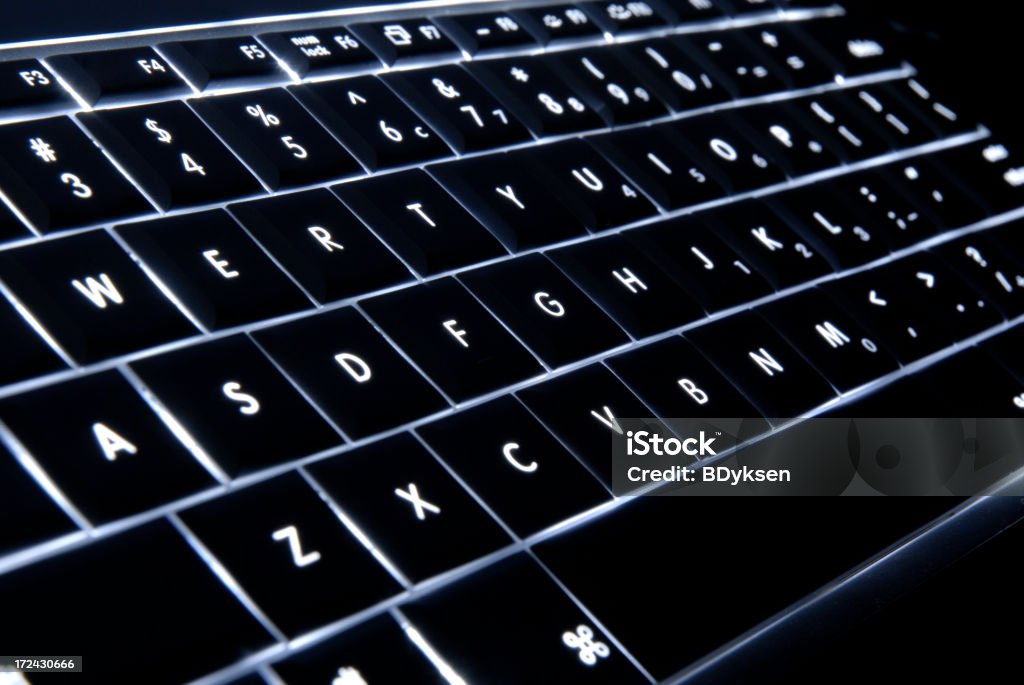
{"x":589,"y":650}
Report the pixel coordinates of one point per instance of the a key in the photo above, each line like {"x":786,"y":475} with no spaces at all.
{"x":516,"y":466}
{"x":25,"y":353}
{"x":405,"y":41}
{"x":236,"y":405}
{"x":744,"y":165}
{"x":112,"y":76}
{"x":558,"y":23}
{"x":372,"y":123}
{"x":374,"y":651}
{"x":420,"y":221}
{"x":617,"y":18}
{"x":321,"y":244}
{"x":982,"y":263}
{"x":171,"y":153}
{"x":486,"y":31}
{"x":886,"y":211}
{"x":743,"y":71}
{"x":608,"y":86}
{"x":220,"y":275}
{"x":456,"y":342}
{"x":536,"y":95}
{"x":451,"y":101}
{"x":27,"y":515}
{"x":626,"y":284}
{"x":87,"y":293}
{"x":855,"y":47}
{"x":149,"y":584}
{"x":415,"y":513}
{"x":798,"y":62}
{"x":28,"y":86}
{"x":57,"y":178}
{"x":290,"y":553}
{"x":353,"y":374}
{"x":674,"y":76}
{"x":545,"y":309}
{"x":831,"y":113}
{"x":321,"y":51}
{"x":784,"y":135}
{"x":125,"y":459}
{"x":932,"y":190}
{"x":989,"y":169}
{"x":211,"y":63}
{"x":771,"y":372}
{"x":510,"y":199}
{"x":583,"y":409}
{"x":276,"y":138}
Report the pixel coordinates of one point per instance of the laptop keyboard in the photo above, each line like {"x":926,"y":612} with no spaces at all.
{"x":313,"y":338}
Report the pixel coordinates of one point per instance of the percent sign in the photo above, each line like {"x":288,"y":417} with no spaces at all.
{"x":257,"y":112}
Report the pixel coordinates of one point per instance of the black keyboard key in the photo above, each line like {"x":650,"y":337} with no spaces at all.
{"x":558,"y":23}
{"x":321,"y":51}
{"x":290,"y":553}
{"x":466,"y":115}
{"x":57,"y":178}
{"x":989,"y":170}
{"x":236,"y":405}
{"x":616,"y":17}
{"x":221,"y":276}
{"x":515,"y":465}
{"x":936,"y":193}
{"x":674,"y":76}
{"x":932,"y":109}
{"x":27,"y":515}
{"x":218,"y":62}
{"x":11,"y":227}
{"x":972,"y":384}
{"x":405,"y":41}
{"x":856,"y":47}
{"x":743,"y":164}
{"x":785,"y":137}
{"x":890,"y":116}
{"x":456,"y":342}
{"x":983,"y":263}
{"x":889,"y":211}
{"x":372,"y":122}
{"x":26,"y":354}
{"x":29,"y":86}
{"x":626,"y":284}
{"x":741,"y":69}
{"x":171,"y":153}
{"x":756,"y":358}
{"x":353,"y":374}
{"x":276,"y":138}
{"x":557,"y":642}
{"x":420,"y":221}
{"x":87,"y":293}
{"x":321,"y":244}
{"x":126,"y":460}
{"x":740,"y":7}
{"x":415,"y":513}
{"x":545,"y":309}
{"x":111,"y":76}
{"x":695,"y":10}
{"x":610,"y":87}
{"x":149,"y":586}
{"x":832,"y":114}
{"x":510,"y":198}
{"x":796,"y":59}
{"x":377,"y":651}
{"x":477,"y":33}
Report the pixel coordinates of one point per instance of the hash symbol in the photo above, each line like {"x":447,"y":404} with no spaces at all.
{"x":43,"y":150}
{"x":590,"y":650}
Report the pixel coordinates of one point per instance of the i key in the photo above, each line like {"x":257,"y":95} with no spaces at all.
{"x":27,"y":86}
{"x":218,"y":62}
{"x":173,"y":156}
{"x":111,"y":76}
{"x":57,"y":178}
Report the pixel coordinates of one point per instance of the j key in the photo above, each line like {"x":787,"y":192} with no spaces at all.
{"x":743,"y":164}
{"x":705,"y":267}
{"x":276,"y":138}
{"x":458,"y":108}
{"x":535,"y":95}
{"x":57,"y":178}
{"x":837,"y":347}
{"x":218,"y":62}
{"x":627,"y":285}
{"x":125,"y":459}
{"x":218,"y":272}
{"x":983,"y":263}
{"x":517,"y":467}
{"x":856,"y":47}
{"x":767,"y":242}
{"x":27,"y":515}
{"x":673,"y":176}
{"x":619,"y":18}
{"x":25,"y":353}
{"x":885,"y":209}
{"x":558,"y":23}
{"x":511,"y":199}
{"x":891,"y":116}
{"x":476,"y":33}
{"x":941,"y":198}
{"x":608,"y":86}
{"x":321,"y":244}
{"x":321,"y":51}
{"x":290,"y":553}
{"x":545,"y":309}
{"x":82,"y":586}
{"x":112,"y":76}
{"x":415,"y":513}
{"x":230,"y":398}
{"x":797,"y":61}
{"x":558,"y":642}
{"x":173,"y":156}
{"x":932,"y":108}
{"x":452,"y":338}
{"x":90,"y":297}
{"x":832,"y":113}
{"x":349,"y":370}
{"x":372,"y":123}
{"x":582,"y":409}
{"x":743,"y":71}
{"x":990,"y":170}
{"x":405,"y":41}
{"x":25,"y":85}
{"x":674,"y":76}
{"x":783,"y":134}
{"x":377,"y":651}
{"x":756,"y":358}
{"x":420,"y":221}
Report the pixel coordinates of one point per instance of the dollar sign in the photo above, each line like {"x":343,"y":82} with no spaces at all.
{"x":162,"y":134}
